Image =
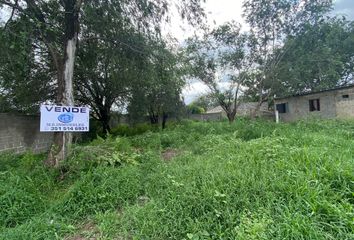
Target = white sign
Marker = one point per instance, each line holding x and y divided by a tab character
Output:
64	119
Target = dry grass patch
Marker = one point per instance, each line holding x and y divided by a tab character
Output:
168	154
88	231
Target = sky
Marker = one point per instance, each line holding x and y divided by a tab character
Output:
222	11
345	7
218	12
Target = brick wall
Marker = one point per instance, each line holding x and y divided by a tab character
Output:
19	133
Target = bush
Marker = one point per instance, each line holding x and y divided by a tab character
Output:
95	131
194	109
109	152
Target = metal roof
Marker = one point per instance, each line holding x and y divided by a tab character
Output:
315	92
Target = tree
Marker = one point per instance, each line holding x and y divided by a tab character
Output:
271	21
42	16
21	69
205	101
109	61
193	108
321	57
221	60
159	95
57	26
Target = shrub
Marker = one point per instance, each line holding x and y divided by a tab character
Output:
110	152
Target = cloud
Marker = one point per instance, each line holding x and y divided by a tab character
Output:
193	91
222	11
218	12
344	7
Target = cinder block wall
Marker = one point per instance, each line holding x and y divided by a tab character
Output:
345	106
19	133
206	117
333	104
298	107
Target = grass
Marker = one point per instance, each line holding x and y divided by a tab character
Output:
247	180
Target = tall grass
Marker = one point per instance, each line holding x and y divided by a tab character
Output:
247	180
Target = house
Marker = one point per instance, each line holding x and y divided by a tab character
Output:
326	104
246	109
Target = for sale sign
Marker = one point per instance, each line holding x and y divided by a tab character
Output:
64	119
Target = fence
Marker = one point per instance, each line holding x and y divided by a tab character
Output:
19	133
206	117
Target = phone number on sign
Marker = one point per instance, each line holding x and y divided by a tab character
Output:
68	129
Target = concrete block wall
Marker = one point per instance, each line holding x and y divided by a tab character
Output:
20	133
298	107
333	104
345	106
206	117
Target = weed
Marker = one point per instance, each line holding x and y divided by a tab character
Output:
246	180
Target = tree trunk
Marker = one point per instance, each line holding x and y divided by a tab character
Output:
231	116
65	97
164	120
154	118
105	123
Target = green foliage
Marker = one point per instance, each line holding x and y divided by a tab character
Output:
109	152
159	95
117	45
101	190
19	199
320	57
95	130
126	130
220	59
246	180
271	22
194	109
42	228
24	185
206	101
22	71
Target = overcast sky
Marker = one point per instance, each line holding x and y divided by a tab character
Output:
221	11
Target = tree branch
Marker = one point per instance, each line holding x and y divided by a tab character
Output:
12	14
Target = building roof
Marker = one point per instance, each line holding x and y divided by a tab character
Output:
217	109
314	92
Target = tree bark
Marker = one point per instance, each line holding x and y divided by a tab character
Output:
154	117
65	97
164	120
105	119
229	110
231	116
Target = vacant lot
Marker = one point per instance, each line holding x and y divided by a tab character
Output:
248	180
